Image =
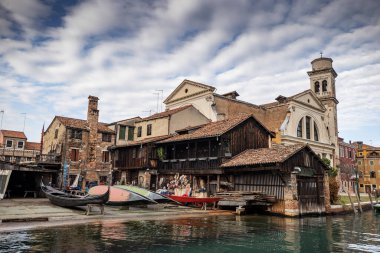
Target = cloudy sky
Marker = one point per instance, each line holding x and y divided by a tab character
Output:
53	54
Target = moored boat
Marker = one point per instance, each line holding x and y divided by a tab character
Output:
121	197
187	199
146	193
64	199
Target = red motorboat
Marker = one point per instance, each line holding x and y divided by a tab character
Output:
187	199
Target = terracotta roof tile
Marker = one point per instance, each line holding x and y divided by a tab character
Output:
211	129
165	113
144	141
13	134
82	124
33	146
276	154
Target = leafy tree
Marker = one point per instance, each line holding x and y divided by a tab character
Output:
333	182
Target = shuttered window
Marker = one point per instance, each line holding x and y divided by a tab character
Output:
74	155
130	133
122	132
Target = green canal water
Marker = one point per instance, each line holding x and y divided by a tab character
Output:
212	234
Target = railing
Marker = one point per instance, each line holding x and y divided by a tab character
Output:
20	157
191	163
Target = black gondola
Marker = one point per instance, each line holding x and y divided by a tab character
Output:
64	199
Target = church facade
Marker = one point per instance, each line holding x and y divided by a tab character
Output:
307	117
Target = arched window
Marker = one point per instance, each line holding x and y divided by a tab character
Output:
308	128
316	137
316	87
299	128
324	85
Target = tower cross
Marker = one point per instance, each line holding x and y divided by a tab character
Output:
321	53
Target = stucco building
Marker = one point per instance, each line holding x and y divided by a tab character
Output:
82	145
368	163
15	147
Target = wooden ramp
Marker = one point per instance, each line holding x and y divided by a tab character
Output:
245	199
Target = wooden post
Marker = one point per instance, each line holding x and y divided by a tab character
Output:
217	183
370	198
208	185
352	203
359	204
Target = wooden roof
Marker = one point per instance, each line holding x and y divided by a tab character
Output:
82	124
276	154
13	134
33	146
214	129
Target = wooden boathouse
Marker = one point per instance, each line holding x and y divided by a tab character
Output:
294	174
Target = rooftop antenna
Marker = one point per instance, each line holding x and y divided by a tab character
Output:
158	99
2	115
23	129
162	98
150	112
321	53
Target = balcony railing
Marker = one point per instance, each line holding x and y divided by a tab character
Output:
190	163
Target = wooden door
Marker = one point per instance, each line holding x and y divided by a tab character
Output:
311	196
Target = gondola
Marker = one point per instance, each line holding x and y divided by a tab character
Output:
149	194
121	197
64	199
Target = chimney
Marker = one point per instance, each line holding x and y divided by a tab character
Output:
92	111
231	95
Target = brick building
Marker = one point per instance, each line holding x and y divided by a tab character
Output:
347	166
82	145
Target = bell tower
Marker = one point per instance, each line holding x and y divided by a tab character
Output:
322	83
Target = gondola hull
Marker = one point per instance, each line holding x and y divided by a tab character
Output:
63	199
121	197
146	193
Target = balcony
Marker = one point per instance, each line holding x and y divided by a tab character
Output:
190	163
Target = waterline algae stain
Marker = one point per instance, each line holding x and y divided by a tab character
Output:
211	234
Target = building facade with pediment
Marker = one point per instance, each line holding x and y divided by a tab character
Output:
307	117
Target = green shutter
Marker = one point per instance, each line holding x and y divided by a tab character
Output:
122	133
130	133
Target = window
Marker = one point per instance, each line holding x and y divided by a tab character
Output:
20	144
106	137
130	133
299	128
361	185
371	162
139	131
74	155
106	157
316	137
149	129
133	153
324	85
56	134
316	87
372	174
7	158
9	144
122	132
76	134
308	119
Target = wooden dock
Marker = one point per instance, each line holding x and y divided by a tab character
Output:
243	199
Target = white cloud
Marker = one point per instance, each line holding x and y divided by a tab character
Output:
122	51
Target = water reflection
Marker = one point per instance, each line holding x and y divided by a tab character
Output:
211	234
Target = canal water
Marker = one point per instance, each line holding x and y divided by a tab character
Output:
211	234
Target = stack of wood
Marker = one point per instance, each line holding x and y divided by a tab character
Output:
241	198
